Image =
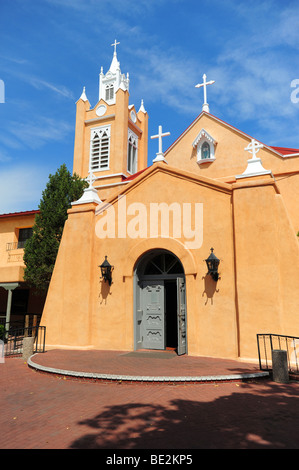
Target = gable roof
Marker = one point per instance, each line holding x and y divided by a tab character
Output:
280	151
286	152
163	167
16	214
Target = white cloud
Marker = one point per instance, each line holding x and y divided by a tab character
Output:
38	132
59	89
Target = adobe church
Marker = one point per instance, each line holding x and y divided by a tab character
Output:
197	252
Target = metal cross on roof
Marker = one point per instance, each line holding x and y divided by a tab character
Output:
115	44
160	155
205	106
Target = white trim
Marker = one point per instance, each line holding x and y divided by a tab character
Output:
111	176
90	195
112	184
99	118
101	110
205	160
289	155
203	135
134	137
201	138
254	168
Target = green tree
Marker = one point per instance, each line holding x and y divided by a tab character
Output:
41	249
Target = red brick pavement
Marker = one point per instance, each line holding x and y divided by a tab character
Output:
41	411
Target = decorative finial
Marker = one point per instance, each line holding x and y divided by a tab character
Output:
160	154
142	107
205	106
83	96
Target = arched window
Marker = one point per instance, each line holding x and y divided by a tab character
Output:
205	151
205	146
132	152
162	264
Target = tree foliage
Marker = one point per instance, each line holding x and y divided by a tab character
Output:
41	249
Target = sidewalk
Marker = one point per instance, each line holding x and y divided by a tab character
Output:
45	411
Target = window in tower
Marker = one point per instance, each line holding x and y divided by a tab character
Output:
109	92
132	152
100	148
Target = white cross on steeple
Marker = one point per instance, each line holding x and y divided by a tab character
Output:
205	106
160	154
253	148
115	44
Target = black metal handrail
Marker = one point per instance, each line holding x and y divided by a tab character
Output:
15	245
15	324
267	342
13	340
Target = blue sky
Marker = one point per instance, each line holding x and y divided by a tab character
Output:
50	49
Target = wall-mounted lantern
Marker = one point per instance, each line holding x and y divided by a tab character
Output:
212	264
106	270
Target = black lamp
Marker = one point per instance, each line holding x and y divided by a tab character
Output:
212	264
106	270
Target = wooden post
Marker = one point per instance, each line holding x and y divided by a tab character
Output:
26	324
34	323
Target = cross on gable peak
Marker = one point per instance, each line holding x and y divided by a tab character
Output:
205	106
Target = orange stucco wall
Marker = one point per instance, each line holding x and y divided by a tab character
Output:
256	290
118	117
250	222
11	260
231	159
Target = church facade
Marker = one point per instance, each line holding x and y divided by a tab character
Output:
132	271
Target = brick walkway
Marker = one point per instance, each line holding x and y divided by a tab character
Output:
41	411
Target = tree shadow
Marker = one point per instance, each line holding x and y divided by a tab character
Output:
259	417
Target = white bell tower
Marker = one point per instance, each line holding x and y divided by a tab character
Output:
113	80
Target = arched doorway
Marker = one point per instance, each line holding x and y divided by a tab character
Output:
160	302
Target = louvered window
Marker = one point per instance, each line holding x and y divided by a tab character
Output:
100	147
109	92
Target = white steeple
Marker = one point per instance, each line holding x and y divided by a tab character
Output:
115	65
113	80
